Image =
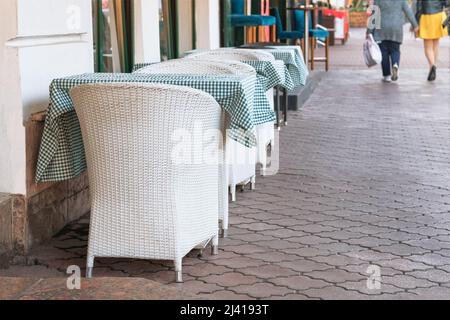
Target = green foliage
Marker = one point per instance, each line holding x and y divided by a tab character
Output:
360	5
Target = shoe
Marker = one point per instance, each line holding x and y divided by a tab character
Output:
386	79
432	74
395	72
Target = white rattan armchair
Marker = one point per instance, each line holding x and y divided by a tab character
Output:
233	55
236	170
145	204
265	132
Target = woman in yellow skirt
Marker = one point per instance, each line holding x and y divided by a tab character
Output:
431	16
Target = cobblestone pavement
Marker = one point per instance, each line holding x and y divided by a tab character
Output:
364	181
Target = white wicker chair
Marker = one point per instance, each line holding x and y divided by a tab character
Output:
198	67
265	132
236	171
233	55
145	204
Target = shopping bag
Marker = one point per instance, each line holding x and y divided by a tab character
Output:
372	52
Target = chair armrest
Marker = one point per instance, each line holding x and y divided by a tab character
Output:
319	26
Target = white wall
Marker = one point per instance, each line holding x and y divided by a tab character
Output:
185	27
40	40
146	20
207	16
12	133
45	39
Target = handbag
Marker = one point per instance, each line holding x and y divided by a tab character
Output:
372	52
446	23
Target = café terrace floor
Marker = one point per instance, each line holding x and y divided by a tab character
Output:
364	181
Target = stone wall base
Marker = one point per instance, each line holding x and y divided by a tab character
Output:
26	222
34	218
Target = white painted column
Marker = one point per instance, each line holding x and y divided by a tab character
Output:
12	132
40	40
147	41
185	26
208	24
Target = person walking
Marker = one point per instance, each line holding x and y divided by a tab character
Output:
431	16
387	29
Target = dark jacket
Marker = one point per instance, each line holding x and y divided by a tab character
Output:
431	6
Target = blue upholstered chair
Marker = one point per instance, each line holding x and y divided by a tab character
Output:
238	18
317	34
282	35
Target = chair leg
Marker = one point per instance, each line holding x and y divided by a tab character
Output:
327	54
274	33
253	183
302	41
261	34
255	34
224	226
264	170
286	106
90	266
215	245
249	35
179	270
312	52
224	233
233	193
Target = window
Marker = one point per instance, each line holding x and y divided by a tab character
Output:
102	36
113	35
167	26
177	27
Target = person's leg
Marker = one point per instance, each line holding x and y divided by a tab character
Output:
395	57
436	51
386	63
431	57
395	53
429	51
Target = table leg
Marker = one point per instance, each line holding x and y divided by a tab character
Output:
286	106
277	107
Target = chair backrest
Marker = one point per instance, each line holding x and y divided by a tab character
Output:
237	6
128	133
299	19
276	13
233	55
199	67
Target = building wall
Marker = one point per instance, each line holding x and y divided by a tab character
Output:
40	40
208	24
12	133
146	19
186	29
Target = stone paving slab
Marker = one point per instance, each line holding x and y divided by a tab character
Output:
92	289
364	182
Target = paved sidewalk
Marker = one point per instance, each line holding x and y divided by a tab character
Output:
350	57
364	181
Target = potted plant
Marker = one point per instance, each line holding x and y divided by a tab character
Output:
358	13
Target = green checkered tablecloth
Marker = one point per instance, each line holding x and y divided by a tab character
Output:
293	59
262	110
62	156
272	74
